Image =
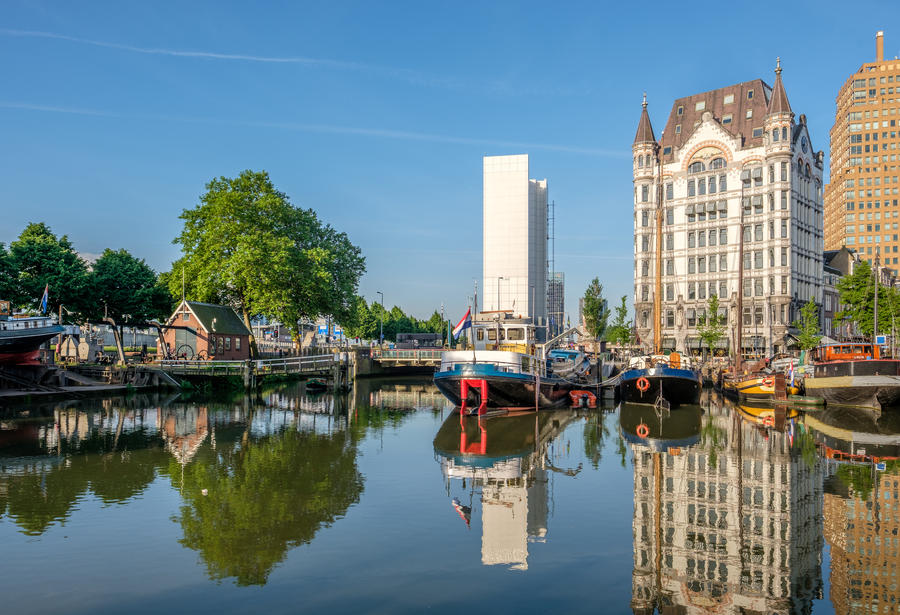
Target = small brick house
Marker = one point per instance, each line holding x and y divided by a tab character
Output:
210	332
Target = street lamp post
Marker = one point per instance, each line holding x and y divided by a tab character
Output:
381	320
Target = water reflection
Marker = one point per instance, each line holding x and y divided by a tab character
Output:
508	459
257	475
726	513
862	521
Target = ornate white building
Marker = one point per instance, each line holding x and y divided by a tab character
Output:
720	147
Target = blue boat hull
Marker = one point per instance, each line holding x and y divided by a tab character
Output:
505	390
679	386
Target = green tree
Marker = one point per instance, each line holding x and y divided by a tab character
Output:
620	330
8	275
711	327
41	260
808	326
857	295
126	289
595	312
245	245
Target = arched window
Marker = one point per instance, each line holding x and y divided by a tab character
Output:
696	167
640	162
647	160
775	134
717	163
784	133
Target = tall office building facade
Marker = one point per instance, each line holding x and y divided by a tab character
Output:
730	161
556	302
861	198
515	238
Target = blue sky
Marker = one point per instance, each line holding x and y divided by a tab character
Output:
114	115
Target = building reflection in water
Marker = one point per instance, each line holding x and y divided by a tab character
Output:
726	512
508	459
862	520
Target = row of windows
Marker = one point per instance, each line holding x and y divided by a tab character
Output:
861	83
869	181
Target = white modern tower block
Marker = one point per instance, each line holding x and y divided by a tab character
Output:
515	238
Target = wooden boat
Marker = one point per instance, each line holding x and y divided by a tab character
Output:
648	378
757	386
854	374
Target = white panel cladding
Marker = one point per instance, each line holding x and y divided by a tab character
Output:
515	237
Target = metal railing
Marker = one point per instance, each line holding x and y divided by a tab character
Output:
287	365
407	354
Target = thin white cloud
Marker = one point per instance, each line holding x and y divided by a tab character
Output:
411	76
328	129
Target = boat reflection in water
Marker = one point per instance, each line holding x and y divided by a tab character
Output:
508	459
726	515
862	519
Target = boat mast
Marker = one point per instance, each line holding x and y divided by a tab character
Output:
740	289
875	314
657	293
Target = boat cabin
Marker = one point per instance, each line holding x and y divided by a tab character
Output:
16	322
847	352
514	334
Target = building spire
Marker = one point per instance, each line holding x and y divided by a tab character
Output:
778	103
645	129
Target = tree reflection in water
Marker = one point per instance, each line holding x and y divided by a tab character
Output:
257	478
263	498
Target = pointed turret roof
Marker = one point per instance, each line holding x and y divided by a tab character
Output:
645	130
778	101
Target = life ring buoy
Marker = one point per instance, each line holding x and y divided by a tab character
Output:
768	381
643	431
768	421
642	384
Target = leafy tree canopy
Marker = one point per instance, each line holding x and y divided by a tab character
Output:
40	260
620	330
712	324
808	335
128	289
857	295
595	312
246	245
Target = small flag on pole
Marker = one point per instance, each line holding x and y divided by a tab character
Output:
45	298
463	324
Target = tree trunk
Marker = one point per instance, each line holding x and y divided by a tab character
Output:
254	353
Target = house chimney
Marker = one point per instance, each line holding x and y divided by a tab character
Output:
879	46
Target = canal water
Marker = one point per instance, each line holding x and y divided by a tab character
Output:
384	501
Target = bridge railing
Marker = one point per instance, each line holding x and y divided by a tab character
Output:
271	366
407	354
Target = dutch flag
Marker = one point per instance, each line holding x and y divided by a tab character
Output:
45	299
463	324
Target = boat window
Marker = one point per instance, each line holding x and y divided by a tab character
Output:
515	334
492	335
